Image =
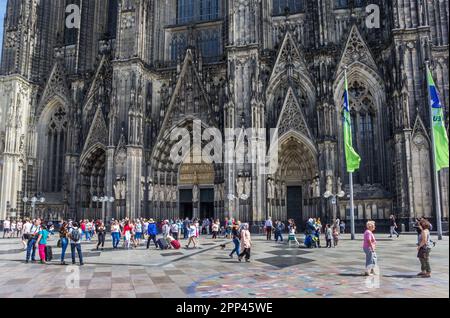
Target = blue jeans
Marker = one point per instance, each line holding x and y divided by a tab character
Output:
278	235
115	238
78	248
185	232
236	247
64	244
371	259
31	249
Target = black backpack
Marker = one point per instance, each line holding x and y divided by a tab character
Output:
75	235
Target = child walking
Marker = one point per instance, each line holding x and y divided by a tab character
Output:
335	236
292	237
328	235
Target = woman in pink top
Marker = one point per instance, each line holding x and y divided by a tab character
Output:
246	243
369	247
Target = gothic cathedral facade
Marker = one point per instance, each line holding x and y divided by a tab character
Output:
89	111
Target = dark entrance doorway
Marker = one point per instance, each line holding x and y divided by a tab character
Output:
186	206
206	203
294	206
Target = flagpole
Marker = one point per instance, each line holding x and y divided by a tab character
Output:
352	207
435	172
350	174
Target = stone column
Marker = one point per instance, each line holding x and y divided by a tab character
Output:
134	172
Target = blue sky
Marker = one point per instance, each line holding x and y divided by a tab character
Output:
2	14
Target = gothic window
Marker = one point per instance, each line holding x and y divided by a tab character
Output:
363	132
189	11
281	7
344	4
13	14
70	35
55	151
340	4
178	46
209	43
112	18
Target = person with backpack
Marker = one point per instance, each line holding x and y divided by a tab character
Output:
32	239
63	237
42	243
75	242
424	248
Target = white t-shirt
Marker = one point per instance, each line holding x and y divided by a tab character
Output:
6	224
115	228
19	225
27	228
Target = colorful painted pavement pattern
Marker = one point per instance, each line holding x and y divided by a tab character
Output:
275	271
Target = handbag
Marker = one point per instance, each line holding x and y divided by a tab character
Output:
59	245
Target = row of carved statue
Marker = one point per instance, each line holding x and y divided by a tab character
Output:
275	189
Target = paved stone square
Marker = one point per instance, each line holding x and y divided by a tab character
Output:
275	271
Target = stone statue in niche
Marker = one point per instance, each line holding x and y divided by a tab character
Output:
339	185
270	189
240	186
329	185
195	193
248	186
156	193
150	190
143	183
174	193
162	194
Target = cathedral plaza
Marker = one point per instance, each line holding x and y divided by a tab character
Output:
294	117
276	271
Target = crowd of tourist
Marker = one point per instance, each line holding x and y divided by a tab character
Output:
167	234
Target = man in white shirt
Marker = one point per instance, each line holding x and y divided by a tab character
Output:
268	226
26	233
6	228
32	239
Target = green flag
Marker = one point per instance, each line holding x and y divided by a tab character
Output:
351	156
439	132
